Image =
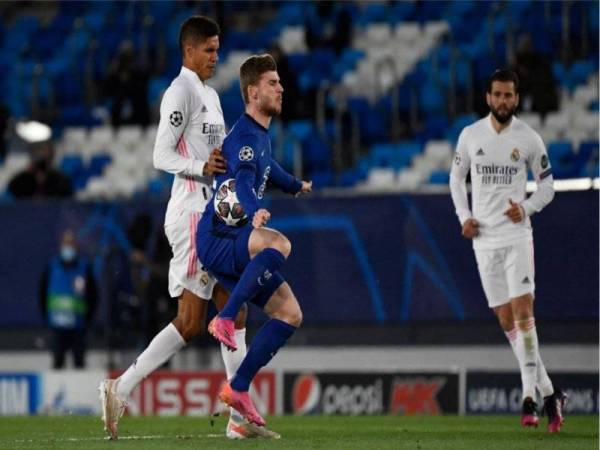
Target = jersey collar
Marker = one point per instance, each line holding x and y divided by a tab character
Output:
251	119
191	75
505	130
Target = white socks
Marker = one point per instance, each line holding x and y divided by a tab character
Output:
524	343
232	361
164	345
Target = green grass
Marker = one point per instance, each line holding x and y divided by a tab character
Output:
385	432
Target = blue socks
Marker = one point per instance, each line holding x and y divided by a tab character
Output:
271	337
258	271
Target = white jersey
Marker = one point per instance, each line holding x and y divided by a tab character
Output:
191	126
499	163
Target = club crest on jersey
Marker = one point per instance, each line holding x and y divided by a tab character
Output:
457	159
246	153
204	278
176	118
515	155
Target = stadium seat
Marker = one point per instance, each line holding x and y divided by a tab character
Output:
562	159
440	153
71	165
534	120
439	177
97	164
381	178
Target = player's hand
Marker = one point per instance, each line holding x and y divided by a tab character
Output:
215	164
470	228
261	217
515	212
306	188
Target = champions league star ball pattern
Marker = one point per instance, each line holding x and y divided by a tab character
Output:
227	206
176	118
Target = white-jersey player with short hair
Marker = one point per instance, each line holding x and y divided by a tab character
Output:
498	151
190	133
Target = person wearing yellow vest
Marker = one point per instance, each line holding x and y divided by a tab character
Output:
68	297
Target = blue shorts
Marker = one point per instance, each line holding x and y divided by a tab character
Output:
223	251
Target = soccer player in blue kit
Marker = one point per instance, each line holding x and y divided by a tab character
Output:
246	258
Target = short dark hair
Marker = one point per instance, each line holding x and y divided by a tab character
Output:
197	28
504	75
252	69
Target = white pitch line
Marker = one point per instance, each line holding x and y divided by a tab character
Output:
121	438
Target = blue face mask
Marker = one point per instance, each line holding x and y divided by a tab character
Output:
68	253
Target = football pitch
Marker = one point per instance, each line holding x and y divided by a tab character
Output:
385	432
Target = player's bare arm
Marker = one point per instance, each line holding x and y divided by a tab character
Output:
260	218
216	163
515	212
470	228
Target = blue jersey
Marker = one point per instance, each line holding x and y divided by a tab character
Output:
247	149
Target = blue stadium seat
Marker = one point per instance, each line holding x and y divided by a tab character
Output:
300	129
71	165
316	154
322	178
587	159
97	164
431	99
439	177
562	159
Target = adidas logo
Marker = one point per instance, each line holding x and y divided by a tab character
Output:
204	108
526	280
480	152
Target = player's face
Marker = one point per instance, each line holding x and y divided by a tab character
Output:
270	93
204	56
503	100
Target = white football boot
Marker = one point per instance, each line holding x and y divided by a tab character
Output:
247	430
112	406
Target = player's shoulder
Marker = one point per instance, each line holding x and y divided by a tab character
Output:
211	92
527	135
178	91
524	128
240	137
474	129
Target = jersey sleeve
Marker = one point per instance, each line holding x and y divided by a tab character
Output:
242	155
175	111
539	165
458	174
283	180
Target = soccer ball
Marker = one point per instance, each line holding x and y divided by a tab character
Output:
227	206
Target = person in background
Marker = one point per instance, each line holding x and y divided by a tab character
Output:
68	298
40	179
126	84
498	151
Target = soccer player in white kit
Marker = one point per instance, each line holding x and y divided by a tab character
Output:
190	133
499	150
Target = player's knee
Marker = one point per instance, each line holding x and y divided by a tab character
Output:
293	316
188	329
282	245
296	318
192	331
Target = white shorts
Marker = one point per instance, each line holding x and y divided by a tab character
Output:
185	271
506	272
